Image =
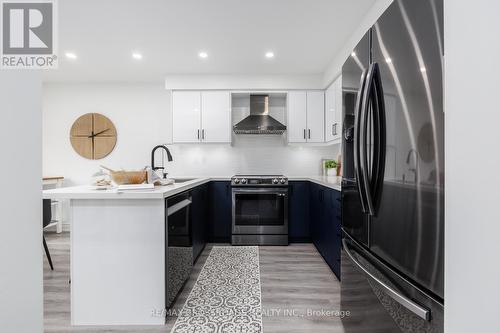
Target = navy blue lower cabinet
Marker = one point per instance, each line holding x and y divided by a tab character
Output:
316	215
332	226
299	230
325	224
220	211
199	218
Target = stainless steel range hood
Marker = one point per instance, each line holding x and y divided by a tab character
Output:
259	121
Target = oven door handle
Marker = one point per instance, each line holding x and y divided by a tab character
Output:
277	191
178	206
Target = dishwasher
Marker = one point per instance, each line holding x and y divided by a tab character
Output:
179	244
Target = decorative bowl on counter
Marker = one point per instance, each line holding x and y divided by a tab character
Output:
128	177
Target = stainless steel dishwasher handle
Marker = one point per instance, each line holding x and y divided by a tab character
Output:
178	206
404	301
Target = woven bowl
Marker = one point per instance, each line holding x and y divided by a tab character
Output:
129	177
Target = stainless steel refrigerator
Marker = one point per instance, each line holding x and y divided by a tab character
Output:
393	179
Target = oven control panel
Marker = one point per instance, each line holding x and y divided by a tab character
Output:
259	181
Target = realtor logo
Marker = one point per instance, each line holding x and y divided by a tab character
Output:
28	34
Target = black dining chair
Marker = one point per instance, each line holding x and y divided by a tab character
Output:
47	217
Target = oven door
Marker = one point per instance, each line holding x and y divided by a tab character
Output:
258	211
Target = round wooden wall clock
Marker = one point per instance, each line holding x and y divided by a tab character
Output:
93	136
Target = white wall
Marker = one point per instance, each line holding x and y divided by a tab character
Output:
472	246
21	290
141	114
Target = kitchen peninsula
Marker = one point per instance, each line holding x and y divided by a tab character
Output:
118	253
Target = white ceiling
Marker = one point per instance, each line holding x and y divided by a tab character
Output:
304	35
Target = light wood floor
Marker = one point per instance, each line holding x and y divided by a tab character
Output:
295	281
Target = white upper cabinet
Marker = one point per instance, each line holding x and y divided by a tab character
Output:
216	116
297	116
186	116
330	108
201	116
315	116
333	111
337	128
306	113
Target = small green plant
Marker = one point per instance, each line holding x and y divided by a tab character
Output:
331	164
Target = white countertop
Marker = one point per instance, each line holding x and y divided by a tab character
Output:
327	181
161	192
88	192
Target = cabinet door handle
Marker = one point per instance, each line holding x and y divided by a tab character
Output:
198	134
304	133
309	131
203	134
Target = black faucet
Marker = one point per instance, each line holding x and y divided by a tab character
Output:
169	156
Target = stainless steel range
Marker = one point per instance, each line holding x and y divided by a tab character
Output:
260	210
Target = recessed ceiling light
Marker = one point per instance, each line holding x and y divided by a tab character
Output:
70	55
137	55
203	55
388	60
269	54
422	69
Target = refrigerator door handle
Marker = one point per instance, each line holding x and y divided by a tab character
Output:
357	129
374	94
363	149
398	297
378	170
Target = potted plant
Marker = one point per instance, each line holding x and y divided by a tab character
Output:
331	167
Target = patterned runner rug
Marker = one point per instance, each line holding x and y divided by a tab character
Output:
226	297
